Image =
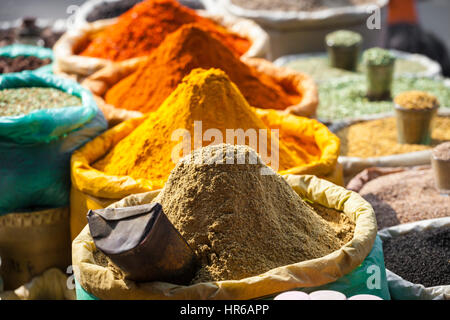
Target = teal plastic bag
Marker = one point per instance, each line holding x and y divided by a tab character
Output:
15	50
368	278
35	149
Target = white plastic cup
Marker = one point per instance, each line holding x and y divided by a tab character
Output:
292	295
327	295
364	297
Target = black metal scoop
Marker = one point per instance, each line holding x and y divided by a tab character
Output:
143	243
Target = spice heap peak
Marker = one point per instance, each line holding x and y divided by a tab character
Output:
188	48
245	223
204	95
141	29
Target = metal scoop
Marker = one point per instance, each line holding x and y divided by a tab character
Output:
143	243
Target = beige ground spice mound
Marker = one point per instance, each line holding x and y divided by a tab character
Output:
416	100
377	138
239	222
338	221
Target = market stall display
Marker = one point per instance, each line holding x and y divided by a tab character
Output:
345	98
142	85
318	67
100	170
150	150
90	47
304	274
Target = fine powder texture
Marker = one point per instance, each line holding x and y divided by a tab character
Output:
204	95
442	151
377	138
420	257
188	48
140	30
405	197
416	100
239	222
22	101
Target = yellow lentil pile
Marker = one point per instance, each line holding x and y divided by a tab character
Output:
416	100
377	138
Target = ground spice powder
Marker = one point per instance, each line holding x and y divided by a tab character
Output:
184	50
377	138
241	223
405	197
204	95
21	101
416	100
141	29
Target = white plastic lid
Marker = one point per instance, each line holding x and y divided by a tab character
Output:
364	297
327	295
292	295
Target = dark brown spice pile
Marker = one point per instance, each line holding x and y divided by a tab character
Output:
21	63
420	257
110	9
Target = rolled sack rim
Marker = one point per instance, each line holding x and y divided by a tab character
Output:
66	58
292	19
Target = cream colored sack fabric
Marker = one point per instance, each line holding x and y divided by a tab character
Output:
68	63
100	281
51	285
30	243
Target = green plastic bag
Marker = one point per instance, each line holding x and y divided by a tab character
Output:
15	50
35	149
368	278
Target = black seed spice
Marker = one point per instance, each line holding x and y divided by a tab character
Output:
420	257
21	63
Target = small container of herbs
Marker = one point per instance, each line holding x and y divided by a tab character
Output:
414	112
440	162
379	65
343	49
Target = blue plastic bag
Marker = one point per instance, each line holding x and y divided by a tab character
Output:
35	149
15	50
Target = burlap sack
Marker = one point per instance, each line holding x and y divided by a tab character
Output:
31	243
68	63
92	189
103	80
50	285
100	281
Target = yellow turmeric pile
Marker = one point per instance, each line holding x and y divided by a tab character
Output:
203	95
